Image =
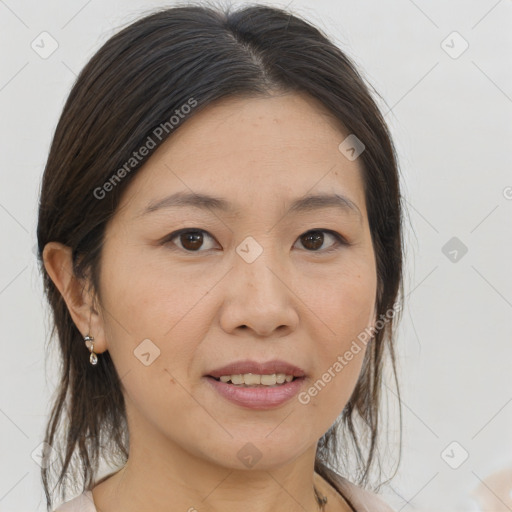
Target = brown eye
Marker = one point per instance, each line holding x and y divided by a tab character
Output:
313	240
190	240
194	240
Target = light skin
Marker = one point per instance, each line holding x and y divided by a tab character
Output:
206	307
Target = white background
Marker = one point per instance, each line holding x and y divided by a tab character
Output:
451	121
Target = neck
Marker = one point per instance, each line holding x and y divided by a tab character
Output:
150	482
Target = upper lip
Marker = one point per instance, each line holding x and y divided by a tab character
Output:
264	368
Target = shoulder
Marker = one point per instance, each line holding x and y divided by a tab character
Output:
362	499
82	503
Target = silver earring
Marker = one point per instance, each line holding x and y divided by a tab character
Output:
93	358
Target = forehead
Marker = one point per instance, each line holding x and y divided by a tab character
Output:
252	150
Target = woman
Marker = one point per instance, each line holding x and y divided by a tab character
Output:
220	240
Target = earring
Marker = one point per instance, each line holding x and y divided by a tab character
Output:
93	358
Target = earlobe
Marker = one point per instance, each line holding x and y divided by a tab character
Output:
58	263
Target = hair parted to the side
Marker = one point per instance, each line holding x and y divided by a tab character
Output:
134	83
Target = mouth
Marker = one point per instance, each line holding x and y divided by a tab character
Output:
253	373
257	385
254	395
251	380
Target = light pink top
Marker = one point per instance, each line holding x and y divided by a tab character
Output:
361	499
82	503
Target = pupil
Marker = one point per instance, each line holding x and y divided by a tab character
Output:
192	240
316	237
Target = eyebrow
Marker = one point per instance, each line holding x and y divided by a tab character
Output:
206	202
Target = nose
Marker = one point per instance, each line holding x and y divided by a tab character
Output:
259	298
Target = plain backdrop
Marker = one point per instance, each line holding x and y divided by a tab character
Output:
444	72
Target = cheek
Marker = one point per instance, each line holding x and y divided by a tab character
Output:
149	298
156	319
344	306
343	302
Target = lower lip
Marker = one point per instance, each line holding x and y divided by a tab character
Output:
257	397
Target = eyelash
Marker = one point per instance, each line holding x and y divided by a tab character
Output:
340	241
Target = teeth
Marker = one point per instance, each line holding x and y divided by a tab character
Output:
268	380
252	379
237	379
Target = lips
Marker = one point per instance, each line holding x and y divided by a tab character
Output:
263	368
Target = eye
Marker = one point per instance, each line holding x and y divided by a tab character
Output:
314	239
192	240
189	240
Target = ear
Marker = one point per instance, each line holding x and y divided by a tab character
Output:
81	303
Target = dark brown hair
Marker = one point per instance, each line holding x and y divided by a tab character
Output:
131	86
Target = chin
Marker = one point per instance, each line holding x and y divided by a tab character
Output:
259	452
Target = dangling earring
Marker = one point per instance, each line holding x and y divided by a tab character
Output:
93	358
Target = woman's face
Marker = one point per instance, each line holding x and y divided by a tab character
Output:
252	280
